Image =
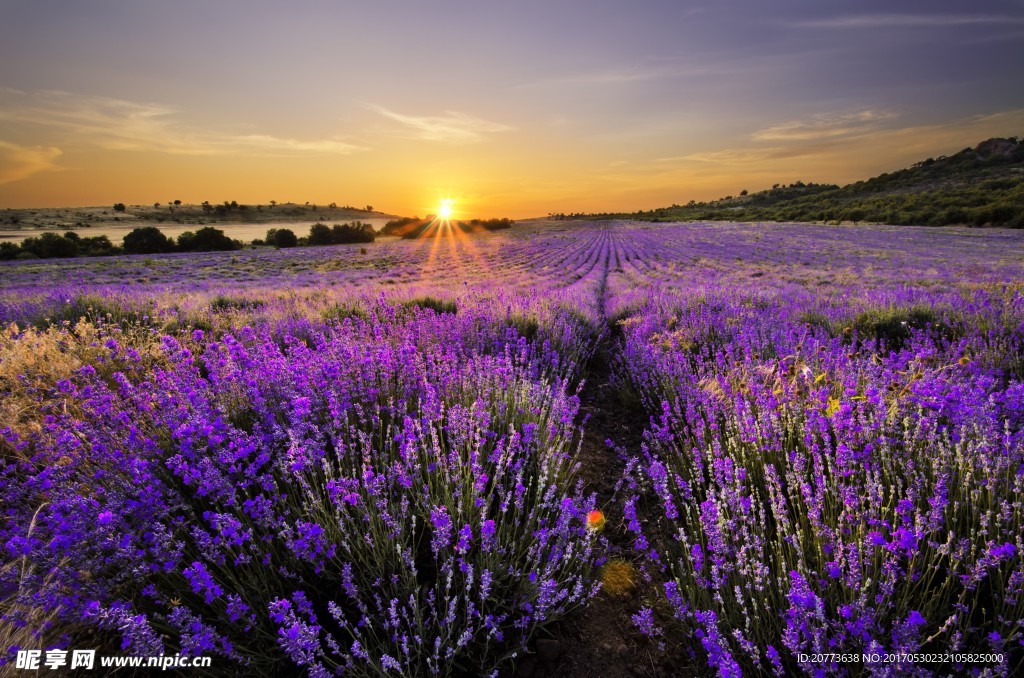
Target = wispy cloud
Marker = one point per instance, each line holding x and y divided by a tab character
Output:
452	127
624	75
618	76
828	157
907	20
738	157
269	144
119	124
20	162
825	126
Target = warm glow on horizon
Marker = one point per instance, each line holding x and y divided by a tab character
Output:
710	101
444	210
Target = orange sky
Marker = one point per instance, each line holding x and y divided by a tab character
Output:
596	106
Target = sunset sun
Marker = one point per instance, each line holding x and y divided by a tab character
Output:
444	210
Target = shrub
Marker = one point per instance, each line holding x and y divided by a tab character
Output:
281	238
51	246
320	234
147	240
9	250
819	489
207	239
97	246
434	304
222	303
355	232
286	504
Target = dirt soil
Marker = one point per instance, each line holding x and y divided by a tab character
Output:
601	640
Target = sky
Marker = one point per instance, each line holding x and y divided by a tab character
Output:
511	108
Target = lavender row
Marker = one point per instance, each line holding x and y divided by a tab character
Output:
386	493
364	461
830	478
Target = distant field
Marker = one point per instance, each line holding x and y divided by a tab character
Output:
245	232
241	222
559	255
717	448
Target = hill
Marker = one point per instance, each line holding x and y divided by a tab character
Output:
979	186
176	212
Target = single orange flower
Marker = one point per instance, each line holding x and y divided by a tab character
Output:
595	521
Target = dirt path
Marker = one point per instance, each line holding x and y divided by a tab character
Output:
600	640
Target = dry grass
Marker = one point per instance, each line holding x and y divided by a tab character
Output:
618	577
33	361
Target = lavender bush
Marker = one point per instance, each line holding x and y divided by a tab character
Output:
375	496
366	463
828	480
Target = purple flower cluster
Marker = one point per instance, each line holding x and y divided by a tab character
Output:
367	495
837	468
365	463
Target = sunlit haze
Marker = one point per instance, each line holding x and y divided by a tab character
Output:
518	108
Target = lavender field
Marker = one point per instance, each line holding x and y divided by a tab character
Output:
374	461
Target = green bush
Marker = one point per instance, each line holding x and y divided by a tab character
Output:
207	239
281	238
222	303
147	240
434	304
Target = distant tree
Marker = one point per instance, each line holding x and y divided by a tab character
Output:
320	234
743	192
96	246
119	207
486	224
333	205
50	246
206	239
403	226
8	251
281	238
147	240
177	202
157	205
369	208
357	231
272	203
